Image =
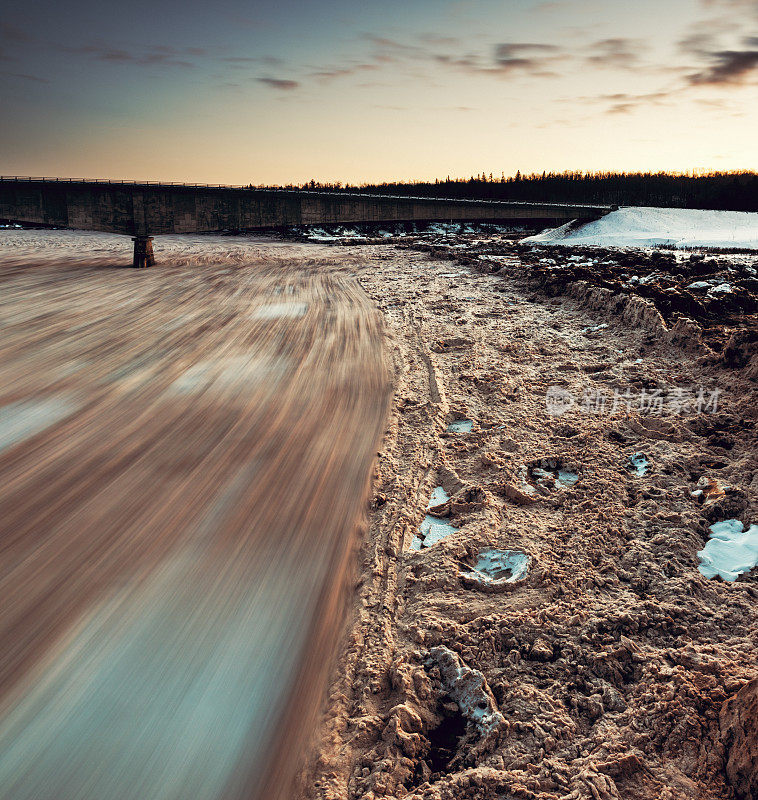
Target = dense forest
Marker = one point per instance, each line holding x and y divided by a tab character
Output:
736	191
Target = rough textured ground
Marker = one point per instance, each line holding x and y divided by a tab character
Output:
611	661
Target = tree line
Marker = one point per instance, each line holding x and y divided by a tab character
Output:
733	191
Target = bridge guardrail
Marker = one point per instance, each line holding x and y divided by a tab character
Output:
249	188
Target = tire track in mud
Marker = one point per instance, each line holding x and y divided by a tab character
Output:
402	478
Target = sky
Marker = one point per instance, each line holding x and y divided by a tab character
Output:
244	91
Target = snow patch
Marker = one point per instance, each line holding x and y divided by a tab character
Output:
700	285
730	551
23	419
431	532
595	328
231	373
548	474
460	426
469	689
497	567
439	496
567	477
638	464
280	310
637	226
432	529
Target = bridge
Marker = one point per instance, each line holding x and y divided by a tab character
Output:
143	210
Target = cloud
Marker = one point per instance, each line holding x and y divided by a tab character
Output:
698	43
514	49
387	50
720	65
243	61
733	13
731	66
157	55
550	6
734	5
728	67
465	63
13	38
10	33
464	109
282	84
439	41
532	58
330	73
503	59
25	77
624	102
711	103
618	53
524	56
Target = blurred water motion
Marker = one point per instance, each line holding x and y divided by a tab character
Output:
184	453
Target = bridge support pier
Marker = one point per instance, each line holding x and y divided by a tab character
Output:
143	252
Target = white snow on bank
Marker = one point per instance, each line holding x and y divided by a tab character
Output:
497	567
729	552
681	228
460	426
432	529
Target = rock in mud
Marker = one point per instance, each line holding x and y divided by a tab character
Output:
471	498
542	650
470	691
739	732
521	493
687	334
741	352
451	343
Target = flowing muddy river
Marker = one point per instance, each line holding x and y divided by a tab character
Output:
186	455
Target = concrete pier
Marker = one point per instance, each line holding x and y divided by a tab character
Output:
143	252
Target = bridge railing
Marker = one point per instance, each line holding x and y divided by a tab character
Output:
336	193
118	182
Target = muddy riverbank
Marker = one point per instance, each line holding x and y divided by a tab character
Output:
602	671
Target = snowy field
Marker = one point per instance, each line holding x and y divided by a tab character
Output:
681	228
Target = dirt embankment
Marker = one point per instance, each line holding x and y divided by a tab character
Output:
705	304
603	672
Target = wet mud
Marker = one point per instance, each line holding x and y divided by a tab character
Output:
612	668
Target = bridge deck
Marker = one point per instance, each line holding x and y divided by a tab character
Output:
150	209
